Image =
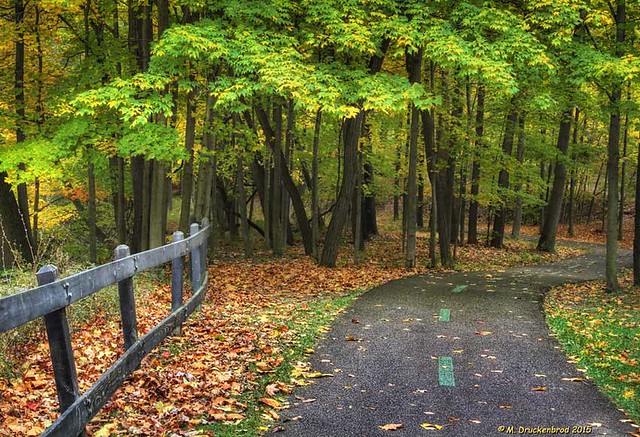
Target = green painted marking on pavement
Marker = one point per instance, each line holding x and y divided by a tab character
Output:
445	314
445	372
459	288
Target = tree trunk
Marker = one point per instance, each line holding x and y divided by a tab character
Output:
315	209
414	67
613	158
118	196
186	187
572	184
623	177
205	167
23	198
636	235
500	217
517	214
369	219
547	241
13	231
351	135
93	239
157	206
287	181
242	200
428	136
472	237
595	193
396	184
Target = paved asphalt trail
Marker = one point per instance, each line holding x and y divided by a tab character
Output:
390	375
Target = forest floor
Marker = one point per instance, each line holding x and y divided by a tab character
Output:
237	354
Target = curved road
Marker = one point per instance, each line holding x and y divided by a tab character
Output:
389	354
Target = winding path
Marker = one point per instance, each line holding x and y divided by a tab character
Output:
389	354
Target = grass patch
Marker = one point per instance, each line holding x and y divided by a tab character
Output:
601	333
307	325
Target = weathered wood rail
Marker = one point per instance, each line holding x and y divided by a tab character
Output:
51	298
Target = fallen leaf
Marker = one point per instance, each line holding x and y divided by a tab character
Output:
271	402
431	426
484	332
539	388
391	426
573	379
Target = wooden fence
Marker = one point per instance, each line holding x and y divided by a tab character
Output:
53	295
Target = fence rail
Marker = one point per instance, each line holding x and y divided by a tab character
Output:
53	295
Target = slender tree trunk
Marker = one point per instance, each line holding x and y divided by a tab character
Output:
595	193
137	182
23	198
358	240
369	218
547	241
241	195
288	155
636	235
286	180
93	239
205	168
572	184
157	205
500	217
186	188
428	136
414	68
475	170
613	157
517	214
351	136
352	129
396	184
315	209
276	193
623	178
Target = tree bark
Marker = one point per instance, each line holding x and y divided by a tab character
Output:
547	241
315	210
613	158
352	129
13	231
472	237
517	214
157	205
289	184
186	187
623	177
351	135
500	217
369	219
636	235
414	68
93	239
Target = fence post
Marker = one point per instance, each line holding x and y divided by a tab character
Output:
127	303
176	281
64	367
195	260
205	247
